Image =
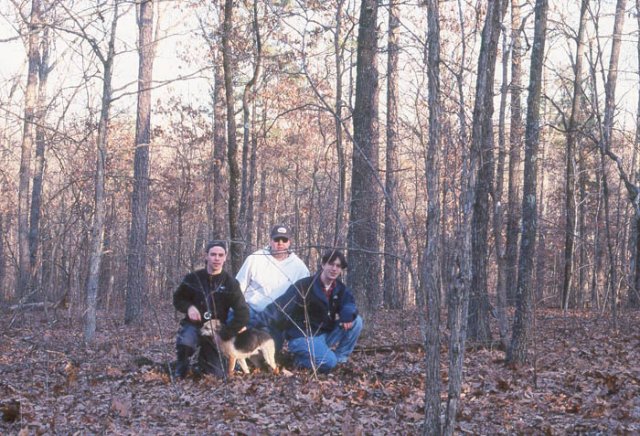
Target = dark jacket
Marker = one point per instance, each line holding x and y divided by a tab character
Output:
304	310
222	292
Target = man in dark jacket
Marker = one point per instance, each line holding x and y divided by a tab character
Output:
319	317
205	294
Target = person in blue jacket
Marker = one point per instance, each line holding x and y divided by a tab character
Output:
318	316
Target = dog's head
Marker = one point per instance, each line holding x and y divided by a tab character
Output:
211	327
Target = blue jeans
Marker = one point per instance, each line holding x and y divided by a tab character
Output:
316	351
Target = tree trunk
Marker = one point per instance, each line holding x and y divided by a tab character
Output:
431	276
38	173
479	307
247	187
391	288
338	237
515	144
518	349
232	145
219	225
136	288
570	180
498	211
364	269
461	288
23	282
607	140
100	212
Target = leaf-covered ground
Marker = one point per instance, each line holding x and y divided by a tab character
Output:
585	380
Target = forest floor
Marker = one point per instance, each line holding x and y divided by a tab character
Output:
584	379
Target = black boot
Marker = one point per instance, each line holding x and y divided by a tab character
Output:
182	364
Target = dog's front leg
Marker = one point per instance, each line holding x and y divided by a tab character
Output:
243	365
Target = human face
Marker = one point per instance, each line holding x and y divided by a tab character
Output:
215	259
280	245
331	271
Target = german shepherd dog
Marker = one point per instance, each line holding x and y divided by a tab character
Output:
249	343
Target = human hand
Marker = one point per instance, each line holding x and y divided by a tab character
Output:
347	325
193	313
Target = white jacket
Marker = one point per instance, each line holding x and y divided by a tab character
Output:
263	278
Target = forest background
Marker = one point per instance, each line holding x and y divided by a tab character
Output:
474	157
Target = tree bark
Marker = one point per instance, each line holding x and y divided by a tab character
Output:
217	187
98	225
364	269
38	173
570	180
462	281
247	164
431	276
515	144
498	210
338	46
607	140
232	145
391	285
23	282
136	289
479	307
517	352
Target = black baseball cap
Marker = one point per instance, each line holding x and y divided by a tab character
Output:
280	231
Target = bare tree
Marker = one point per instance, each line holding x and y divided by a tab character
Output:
338	46
483	139
248	163
137	249
517	352
23	284
364	270
216	183
232	145
571	130
391	285
462	282
431	276
38	172
100	212
515	144
498	190
605	144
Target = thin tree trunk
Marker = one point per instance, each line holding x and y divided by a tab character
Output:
570	181
478	325
98	225
136	289
607	141
247	189
23	282
461	282
518	349
232	145
38	173
498	211
515	144
338	48
431	277
362	236
219	224
390	282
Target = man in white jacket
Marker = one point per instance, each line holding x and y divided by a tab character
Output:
267	273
